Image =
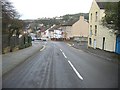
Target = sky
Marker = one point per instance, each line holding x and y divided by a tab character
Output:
34	9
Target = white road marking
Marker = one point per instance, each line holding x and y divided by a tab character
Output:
64	54
75	70
42	48
61	50
69	44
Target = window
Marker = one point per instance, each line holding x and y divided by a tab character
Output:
96	16
90	30
95	30
90	41
91	17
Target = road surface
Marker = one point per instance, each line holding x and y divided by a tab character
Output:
61	66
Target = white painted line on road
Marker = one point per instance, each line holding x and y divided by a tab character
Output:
69	44
61	50
64	54
42	48
75	70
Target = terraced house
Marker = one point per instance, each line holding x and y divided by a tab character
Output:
80	29
99	36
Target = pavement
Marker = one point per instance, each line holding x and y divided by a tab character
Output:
110	56
12	59
61	66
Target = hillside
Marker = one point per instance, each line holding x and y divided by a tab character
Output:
73	17
48	22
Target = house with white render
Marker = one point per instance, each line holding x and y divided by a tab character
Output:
100	36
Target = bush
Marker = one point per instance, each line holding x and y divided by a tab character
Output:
6	50
15	48
28	44
29	39
21	46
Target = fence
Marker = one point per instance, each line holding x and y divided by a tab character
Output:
13	43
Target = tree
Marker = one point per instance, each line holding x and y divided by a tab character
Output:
10	20
112	16
9	15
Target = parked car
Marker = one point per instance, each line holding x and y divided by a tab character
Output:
33	38
38	38
44	39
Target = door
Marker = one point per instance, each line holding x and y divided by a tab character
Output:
118	44
103	45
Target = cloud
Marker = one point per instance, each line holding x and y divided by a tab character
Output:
32	9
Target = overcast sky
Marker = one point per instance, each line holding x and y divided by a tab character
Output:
33	9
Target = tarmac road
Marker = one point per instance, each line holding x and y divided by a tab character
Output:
61	66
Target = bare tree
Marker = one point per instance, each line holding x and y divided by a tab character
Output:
10	19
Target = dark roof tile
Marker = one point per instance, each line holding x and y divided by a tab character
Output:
102	5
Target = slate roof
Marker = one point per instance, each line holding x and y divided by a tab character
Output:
102	3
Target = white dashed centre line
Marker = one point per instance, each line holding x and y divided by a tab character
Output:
61	50
42	48
75	70
79	76
64	54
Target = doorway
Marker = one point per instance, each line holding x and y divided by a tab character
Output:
103	45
